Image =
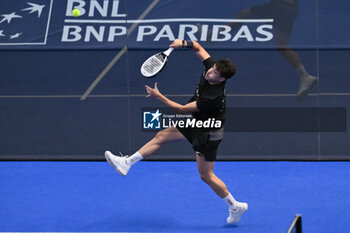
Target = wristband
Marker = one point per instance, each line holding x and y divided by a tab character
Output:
189	43
183	43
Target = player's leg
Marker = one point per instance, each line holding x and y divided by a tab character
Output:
261	11
206	172
170	134
123	164
307	81
243	14
282	39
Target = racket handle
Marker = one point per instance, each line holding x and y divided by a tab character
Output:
168	51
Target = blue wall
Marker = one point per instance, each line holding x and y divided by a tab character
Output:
44	73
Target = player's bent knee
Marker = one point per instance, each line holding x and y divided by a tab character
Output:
205	176
160	137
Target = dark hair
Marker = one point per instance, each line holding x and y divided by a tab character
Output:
226	68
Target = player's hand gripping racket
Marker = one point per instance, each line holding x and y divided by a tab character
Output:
154	64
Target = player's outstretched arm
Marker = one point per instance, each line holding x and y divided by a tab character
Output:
200	51
188	108
194	45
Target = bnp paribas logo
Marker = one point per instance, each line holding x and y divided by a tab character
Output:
152	119
24	22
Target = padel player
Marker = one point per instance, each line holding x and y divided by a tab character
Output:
207	102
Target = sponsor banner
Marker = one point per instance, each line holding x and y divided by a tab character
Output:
153	24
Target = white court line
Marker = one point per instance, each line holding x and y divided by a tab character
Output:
119	55
168	95
48	23
169	20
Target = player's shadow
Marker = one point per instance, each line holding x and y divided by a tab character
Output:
141	222
144	222
230	226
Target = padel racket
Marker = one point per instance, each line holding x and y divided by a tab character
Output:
154	64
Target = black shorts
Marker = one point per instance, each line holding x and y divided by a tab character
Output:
206	142
284	14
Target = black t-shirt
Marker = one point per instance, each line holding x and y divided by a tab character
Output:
211	100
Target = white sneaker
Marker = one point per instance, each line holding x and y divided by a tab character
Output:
119	163
236	214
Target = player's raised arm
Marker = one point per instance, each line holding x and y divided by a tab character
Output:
194	45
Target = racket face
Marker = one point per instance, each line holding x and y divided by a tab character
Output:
153	65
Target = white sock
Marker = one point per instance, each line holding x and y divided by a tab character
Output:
131	160
231	202
301	71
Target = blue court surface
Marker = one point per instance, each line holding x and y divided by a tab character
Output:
170	197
